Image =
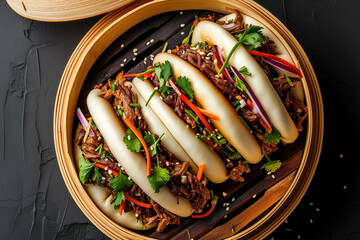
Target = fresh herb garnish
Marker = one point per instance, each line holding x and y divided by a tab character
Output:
232	155
163	72
118	199
187	39
151	143
152	94
165	47
184	84
246	163
135	105
99	149
288	80
131	141
166	90
120	183
85	170
192	115
243	70
197	45
97	176
106	155
93	124
251	39
206	45
273	137
158	178
271	166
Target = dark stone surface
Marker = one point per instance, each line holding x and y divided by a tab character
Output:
34	201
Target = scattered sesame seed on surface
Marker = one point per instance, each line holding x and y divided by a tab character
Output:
125	59
119	165
135	53
177	163
224	194
317	209
152	55
106	159
268	173
225	216
233	199
134	59
298	236
181	12
227	209
129	138
341	156
147	43
254	196
167	163
182	33
344	187
182	25
152	40
103	178
273	176
311	221
311	203
122	45
122	168
129	178
286	221
135	50
121	65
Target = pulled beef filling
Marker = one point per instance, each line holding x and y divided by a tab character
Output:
182	182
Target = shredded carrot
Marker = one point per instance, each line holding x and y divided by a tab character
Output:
195	23
133	200
265	125
208	114
260	54
109	82
102	166
138	135
121	208
250	103
98	86
205	214
191	105
200	171
130	75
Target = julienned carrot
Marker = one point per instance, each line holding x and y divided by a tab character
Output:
200	171
133	200
102	166
191	105
265	126
288	64
205	214
121	208
208	114
249	103
138	135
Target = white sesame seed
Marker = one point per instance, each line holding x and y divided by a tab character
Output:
135	50
134	59
181	12
135	53
311	203
106	159
156	88
184	179
233	199
207	58
129	138
152	40
298	236
286	221
224	204
118	106
152	55
273	176
122	168
224	194
227	204
201	53
161	97
109	172
228	160
182	33
225	216
119	165
129	178
125	59
136	214
254	196
122	45
167	163
345	187
177	163
317	209
311	221
147	43
106	168
218	137
341	156
216	130
182	25
215	145
169	51
121	65
272	238
227	209
103	178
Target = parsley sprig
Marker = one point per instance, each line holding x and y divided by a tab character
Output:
273	137
271	165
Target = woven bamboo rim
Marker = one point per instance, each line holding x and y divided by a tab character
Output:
116	23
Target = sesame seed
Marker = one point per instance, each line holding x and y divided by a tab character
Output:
177	163
122	168
122	45
121	64
317	209
201	53
181	12
125	59
156	88
152	55
254	196
345	187
136	214
182	33
273	176
225	216
224	194
184	179
129	138
99	138
224	204
147	43
167	163
341	156
106	168
135	50
135	53
169	51
152	40
227	209
298	236
129	178
311	221
119	165
152	148
182	25
187	126
106	159
228	160
233	199
311	203
103	178
118	106
109	172
134	59
286	221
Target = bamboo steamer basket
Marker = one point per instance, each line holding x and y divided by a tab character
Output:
114	24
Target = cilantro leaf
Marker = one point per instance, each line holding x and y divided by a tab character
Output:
120	182
243	70
85	170
158	178
240	84
131	141
272	166
118	199
166	90
252	38
97	176
232	155
185	86
163	72
273	137
151	143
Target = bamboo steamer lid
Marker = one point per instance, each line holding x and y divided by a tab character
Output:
114	24
64	10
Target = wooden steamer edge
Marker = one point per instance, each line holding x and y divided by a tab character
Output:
110	27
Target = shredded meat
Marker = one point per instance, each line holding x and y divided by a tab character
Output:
236	171
164	217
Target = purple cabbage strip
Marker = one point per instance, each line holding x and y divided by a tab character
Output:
280	65
254	99
83	121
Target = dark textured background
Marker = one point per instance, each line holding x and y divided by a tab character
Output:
34	201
